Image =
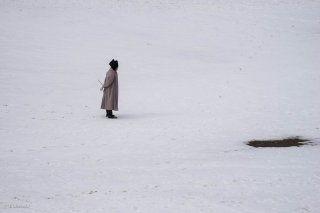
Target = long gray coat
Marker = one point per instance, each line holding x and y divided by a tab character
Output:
110	91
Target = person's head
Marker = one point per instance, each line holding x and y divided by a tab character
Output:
114	64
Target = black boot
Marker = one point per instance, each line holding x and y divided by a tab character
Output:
110	115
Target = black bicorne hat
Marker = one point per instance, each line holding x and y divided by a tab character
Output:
113	64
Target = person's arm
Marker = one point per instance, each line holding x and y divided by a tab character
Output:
109	80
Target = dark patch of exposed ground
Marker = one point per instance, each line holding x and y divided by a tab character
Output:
286	142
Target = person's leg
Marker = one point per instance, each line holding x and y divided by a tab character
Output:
111	115
108	113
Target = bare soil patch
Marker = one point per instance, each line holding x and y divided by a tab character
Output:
286	142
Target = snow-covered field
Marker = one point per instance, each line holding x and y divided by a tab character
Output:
197	80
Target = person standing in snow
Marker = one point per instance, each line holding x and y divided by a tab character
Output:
110	90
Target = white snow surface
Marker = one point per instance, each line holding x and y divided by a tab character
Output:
197	80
